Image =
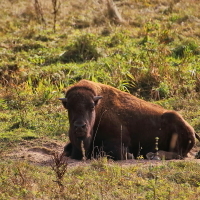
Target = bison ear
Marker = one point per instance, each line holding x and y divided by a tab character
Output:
63	99
64	102
96	98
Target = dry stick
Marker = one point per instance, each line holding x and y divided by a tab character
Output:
82	144
197	136
21	175
39	12
97	129
121	143
56	6
113	12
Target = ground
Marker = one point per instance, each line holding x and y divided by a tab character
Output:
40	152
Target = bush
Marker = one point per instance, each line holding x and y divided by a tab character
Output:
81	50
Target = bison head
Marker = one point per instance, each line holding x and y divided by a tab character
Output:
81	112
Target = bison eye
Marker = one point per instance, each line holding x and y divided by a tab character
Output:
92	106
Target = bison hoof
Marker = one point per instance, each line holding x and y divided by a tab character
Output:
152	156
130	156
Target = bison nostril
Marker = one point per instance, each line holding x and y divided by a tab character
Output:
79	125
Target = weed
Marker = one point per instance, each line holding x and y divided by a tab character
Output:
100	163
185	48
59	166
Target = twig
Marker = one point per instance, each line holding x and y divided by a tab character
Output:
113	12
39	12
97	130
56	6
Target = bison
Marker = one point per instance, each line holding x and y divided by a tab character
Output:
105	119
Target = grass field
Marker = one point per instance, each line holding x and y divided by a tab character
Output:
150	49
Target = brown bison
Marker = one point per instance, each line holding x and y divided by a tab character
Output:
105	119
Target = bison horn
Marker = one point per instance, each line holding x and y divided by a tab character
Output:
63	99
96	98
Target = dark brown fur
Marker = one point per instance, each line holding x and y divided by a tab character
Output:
119	124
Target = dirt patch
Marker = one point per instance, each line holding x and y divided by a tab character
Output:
38	151
41	151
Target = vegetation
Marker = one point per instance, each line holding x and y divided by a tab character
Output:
101	180
152	52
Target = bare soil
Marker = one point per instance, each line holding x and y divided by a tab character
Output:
41	151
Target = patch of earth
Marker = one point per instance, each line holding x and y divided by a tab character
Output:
38	151
41	152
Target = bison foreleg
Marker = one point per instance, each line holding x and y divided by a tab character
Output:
164	155
68	150
116	150
71	151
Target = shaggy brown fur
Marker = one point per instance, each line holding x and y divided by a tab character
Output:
118	123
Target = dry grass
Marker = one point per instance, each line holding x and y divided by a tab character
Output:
102	179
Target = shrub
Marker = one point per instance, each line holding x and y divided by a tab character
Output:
81	50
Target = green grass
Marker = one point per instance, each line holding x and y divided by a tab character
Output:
173	180
154	55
